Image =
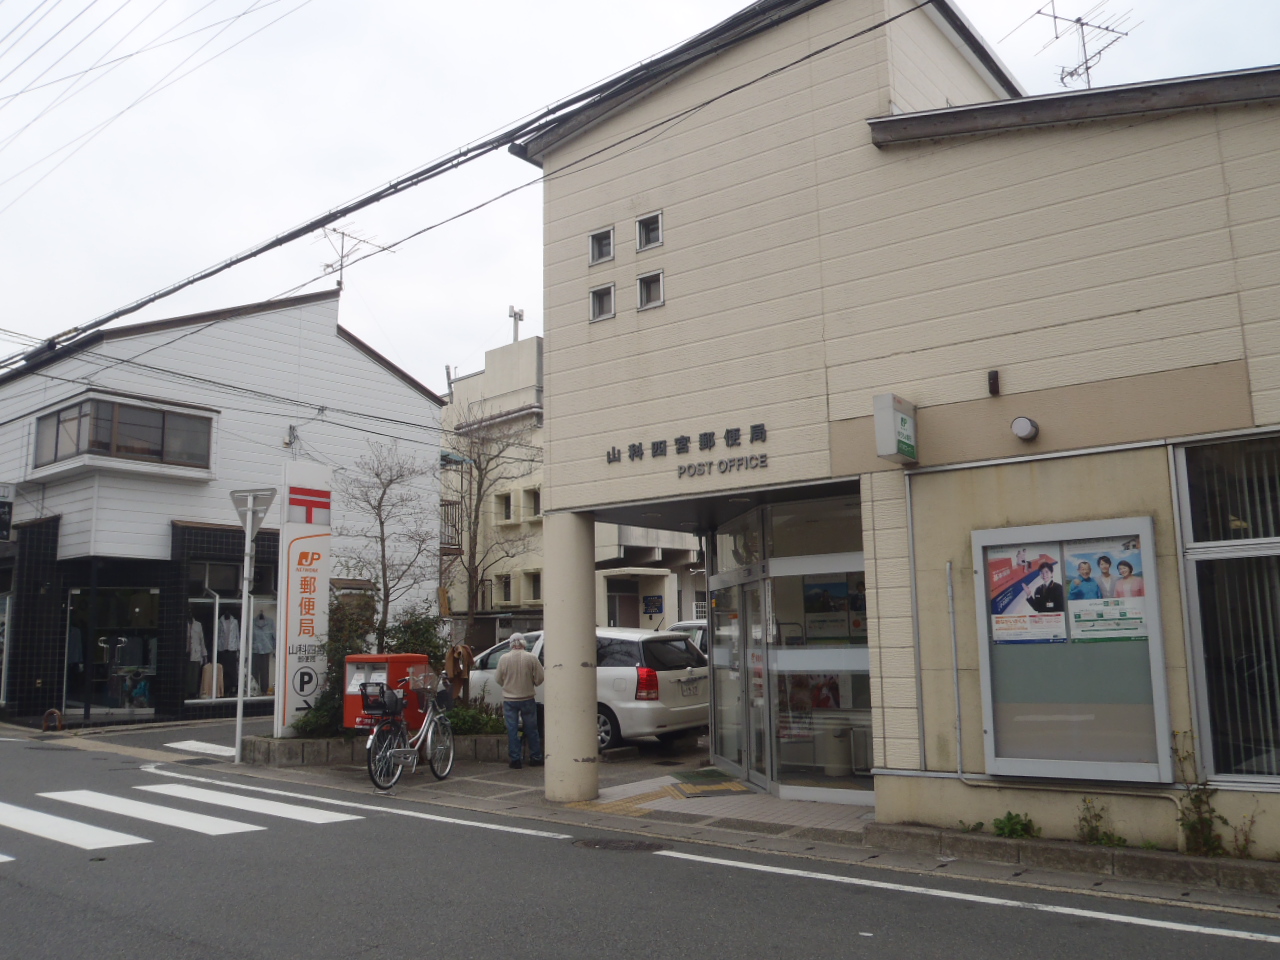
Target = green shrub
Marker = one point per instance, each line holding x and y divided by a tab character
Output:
468	721
349	628
1015	826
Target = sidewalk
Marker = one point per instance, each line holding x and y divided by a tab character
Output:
667	794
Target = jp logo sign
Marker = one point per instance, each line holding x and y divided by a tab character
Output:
309	559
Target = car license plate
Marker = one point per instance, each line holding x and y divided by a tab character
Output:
689	689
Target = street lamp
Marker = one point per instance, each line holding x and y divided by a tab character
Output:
252	506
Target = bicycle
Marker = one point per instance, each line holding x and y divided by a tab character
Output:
390	747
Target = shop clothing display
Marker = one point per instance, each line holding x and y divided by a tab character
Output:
207	687
228	634
195	642
264	634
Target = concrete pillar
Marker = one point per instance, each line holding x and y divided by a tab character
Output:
569	578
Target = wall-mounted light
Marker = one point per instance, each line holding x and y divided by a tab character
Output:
1024	428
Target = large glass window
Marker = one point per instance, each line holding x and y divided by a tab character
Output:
738	543
125	431
1232	507
820	673
113	665
213	632
815	527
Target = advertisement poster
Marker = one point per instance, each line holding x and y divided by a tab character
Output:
826	607
1025	589
1106	591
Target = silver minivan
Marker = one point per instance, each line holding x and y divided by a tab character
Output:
648	683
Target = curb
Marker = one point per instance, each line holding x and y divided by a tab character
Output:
297	752
1248	876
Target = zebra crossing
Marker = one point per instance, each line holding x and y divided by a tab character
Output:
85	836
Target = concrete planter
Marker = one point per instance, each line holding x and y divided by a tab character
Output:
1253	876
297	752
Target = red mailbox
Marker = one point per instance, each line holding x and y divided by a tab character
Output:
391	669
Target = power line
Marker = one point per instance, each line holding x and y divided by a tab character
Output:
157	87
156	44
6	50
57	33
666	63
76	88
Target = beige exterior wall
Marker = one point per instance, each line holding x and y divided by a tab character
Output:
1122	277
743	187
890	635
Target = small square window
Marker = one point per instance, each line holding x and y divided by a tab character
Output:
602	303
650	291
602	246
504	506
535	586
649	231
504	587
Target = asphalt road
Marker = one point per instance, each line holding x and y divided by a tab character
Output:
327	874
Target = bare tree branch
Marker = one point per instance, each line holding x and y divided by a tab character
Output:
488	453
389	535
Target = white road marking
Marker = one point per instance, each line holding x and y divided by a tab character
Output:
168	816
13	739
501	828
272	808
978	898
5	859
71	832
199	746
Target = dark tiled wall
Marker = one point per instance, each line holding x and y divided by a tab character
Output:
36	630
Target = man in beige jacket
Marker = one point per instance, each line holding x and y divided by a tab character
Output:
518	673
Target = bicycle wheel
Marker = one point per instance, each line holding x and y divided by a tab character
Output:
383	771
440	747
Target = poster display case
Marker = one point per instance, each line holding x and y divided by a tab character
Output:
1072	654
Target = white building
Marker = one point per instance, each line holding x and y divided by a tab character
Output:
644	578
122	448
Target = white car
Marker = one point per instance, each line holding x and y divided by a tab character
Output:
695	630
648	684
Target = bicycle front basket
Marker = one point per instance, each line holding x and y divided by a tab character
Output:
379	700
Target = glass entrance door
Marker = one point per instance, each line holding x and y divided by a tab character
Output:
729	698
739	664
757	699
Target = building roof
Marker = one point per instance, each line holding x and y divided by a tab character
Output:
1236	88
42	357
47	354
630	85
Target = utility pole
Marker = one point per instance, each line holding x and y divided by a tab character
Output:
252	506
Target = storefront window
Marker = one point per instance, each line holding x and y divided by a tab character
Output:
815	527
213	633
113	666
819	669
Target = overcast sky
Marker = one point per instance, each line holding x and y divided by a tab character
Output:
108	193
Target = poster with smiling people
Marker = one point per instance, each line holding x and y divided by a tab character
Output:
1106	591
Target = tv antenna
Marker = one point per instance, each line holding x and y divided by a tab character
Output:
346	245
1095	32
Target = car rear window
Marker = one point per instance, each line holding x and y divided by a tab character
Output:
671	654
611	652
